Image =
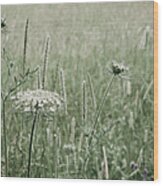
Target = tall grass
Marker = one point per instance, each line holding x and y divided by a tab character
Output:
5	136
63	90
25	46
84	103
45	63
31	140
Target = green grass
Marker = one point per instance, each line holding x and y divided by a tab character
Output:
84	39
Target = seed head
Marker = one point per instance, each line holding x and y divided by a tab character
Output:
117	68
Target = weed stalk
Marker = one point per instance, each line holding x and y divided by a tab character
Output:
84	103
63	90
5	137
100	108
25	45
31	141
45	63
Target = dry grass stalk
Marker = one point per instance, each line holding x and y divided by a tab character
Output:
63	90
84	103
25	45
45	63
80	142
72	134
39	76
106	171
129	88
92	92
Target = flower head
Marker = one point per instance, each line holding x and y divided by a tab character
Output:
46	101
117	68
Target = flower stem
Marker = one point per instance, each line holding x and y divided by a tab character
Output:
5	140
31	141
100	108
98	113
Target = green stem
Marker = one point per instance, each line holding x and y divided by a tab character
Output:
31	141
5	140
100	108
98	113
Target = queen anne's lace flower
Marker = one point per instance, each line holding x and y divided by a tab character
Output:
46	101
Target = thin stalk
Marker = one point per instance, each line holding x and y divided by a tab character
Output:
31	141
56	75
72	134
84	103
39	83
5	138
67	165
92	92
100	108
106	171
45	63
63	90
25	45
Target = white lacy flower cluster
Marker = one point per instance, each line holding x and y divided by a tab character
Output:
45	101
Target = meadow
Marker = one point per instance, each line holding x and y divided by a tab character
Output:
104	128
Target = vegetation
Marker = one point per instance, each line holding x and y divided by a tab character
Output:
77	91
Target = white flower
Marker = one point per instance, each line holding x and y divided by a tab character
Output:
47	101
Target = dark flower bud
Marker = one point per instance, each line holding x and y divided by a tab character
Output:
133	165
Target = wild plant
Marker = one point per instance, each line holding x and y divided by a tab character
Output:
117	69
34	102
18	82
25	46
93	97
45	63
63	90
84	103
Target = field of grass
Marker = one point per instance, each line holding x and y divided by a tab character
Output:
102	131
